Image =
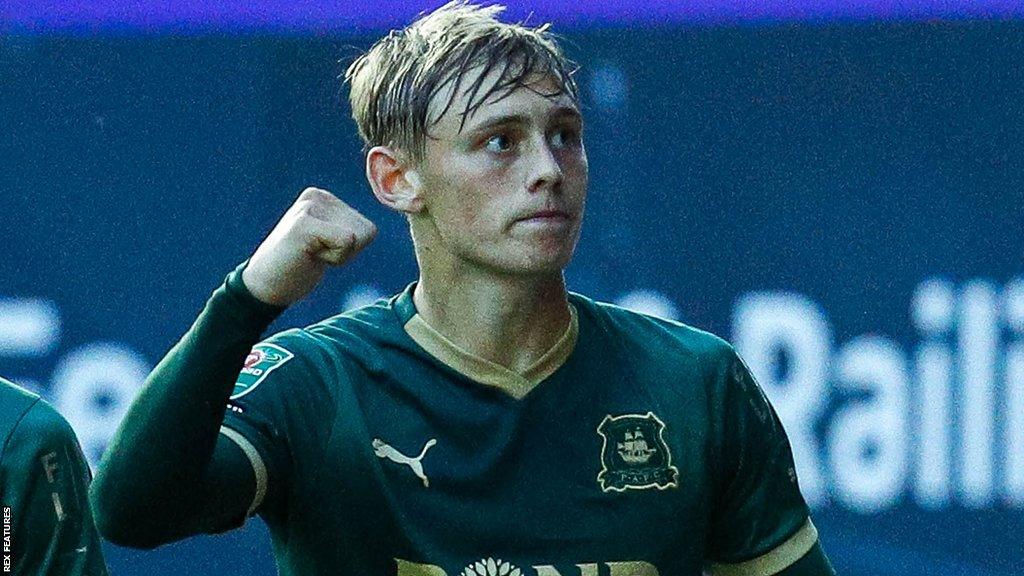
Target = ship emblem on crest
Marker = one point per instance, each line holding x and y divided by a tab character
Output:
634	454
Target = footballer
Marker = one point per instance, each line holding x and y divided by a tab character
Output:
47	524
485	421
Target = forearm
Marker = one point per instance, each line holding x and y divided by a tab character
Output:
154	469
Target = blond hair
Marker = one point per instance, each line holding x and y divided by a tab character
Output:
394	83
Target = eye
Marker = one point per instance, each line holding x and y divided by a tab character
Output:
498	143
565	137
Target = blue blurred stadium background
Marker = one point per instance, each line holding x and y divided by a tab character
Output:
838	192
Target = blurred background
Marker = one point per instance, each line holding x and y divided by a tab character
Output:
836	187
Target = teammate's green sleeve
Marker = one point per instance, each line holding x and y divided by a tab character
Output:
43	483
168	473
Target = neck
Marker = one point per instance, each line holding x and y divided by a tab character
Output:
509	320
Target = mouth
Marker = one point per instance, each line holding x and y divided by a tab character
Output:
546	216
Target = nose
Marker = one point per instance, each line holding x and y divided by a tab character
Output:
544	170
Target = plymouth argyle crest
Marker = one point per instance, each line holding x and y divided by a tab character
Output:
634	454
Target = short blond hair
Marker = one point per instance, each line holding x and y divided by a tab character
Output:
395	81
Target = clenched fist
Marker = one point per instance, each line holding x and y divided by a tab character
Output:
317	231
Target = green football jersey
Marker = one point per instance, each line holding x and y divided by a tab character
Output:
47	526
635	446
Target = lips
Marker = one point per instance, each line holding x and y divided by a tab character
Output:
546	214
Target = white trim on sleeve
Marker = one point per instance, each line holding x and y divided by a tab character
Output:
258	467
781	557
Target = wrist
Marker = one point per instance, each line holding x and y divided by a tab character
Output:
245	301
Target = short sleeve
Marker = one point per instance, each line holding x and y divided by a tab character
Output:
45	481
277	414
761	523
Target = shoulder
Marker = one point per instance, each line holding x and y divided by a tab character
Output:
15	401
36	424
660	337
355	335
368	323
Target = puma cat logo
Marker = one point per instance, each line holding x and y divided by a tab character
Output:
382	450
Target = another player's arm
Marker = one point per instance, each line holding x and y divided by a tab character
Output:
761	524
169	473
44	480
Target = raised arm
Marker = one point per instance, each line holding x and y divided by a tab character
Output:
169	473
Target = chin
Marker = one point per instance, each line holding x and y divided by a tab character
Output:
539	264
522	258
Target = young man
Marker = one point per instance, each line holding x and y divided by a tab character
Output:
44	478
485	421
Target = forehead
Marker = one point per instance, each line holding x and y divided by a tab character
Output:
539	95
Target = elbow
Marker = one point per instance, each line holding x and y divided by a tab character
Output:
121	522
127	538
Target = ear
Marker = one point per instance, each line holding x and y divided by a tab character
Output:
394	181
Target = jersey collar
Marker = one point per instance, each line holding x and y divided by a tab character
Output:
482	370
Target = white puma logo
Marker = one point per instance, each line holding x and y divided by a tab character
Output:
382	450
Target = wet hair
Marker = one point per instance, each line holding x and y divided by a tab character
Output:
394	83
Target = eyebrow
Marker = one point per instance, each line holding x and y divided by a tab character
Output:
510	119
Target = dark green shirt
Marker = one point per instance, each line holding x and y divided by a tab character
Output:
635	446
48	529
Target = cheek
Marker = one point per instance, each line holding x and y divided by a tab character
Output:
492	185
470	202
575	169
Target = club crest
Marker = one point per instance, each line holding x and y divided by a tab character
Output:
634	454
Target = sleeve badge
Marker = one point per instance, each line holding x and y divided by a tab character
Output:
261	361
